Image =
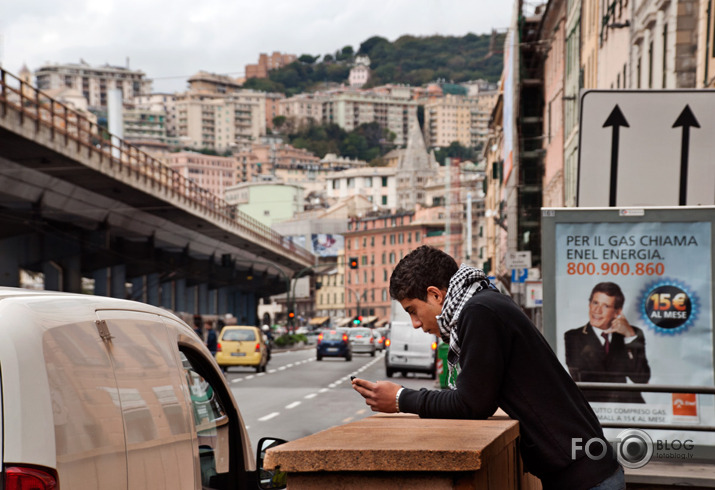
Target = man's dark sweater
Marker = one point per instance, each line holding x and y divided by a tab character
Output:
506	362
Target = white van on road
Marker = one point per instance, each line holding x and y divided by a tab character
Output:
409	349
102	393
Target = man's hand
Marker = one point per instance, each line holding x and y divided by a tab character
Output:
620	325
379	396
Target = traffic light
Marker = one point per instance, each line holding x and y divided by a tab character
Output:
357	320
353	262
291	314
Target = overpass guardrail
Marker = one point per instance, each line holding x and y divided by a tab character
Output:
30	103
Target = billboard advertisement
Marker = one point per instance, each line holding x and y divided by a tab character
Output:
327	245
629	300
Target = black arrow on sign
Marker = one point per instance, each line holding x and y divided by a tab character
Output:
686	119
616	120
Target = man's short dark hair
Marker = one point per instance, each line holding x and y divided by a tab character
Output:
609	289
423	267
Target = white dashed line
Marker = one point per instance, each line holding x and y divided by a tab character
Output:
269	416
323	390
292	405
312	395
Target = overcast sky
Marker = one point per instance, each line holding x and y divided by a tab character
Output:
171	41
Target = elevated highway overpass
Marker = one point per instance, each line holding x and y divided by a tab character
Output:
77	204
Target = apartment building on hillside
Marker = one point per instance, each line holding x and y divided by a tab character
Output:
220	122
94	82
351	108
275	160
160	102
267	63
448	119
213	173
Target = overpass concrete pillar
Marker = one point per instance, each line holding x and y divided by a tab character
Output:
191	299
222	301
180	295
245	308
167	299
10	249
72	274
117	281
138	289
213	303
153	289
101	282
53	275
202	294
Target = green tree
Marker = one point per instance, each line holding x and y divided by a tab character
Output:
308	59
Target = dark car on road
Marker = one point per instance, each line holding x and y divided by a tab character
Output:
334	343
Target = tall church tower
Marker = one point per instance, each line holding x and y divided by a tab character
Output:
415	168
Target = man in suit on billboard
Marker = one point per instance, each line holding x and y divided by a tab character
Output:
607	349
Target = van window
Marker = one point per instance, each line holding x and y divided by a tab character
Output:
216	423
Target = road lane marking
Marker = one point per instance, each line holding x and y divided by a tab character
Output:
292	405
312	395
346	420
269	416
323	390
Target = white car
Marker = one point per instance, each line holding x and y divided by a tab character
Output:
363	340
114	394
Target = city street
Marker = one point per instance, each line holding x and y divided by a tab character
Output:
298	396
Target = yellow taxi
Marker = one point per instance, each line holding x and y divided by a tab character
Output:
241	345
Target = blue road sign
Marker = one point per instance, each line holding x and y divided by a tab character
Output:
519	275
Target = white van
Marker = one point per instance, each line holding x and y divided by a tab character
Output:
102	393
410	350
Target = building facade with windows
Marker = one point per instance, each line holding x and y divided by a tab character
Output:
94	82
213	173
378	242
266	202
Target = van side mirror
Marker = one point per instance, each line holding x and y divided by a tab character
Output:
269	479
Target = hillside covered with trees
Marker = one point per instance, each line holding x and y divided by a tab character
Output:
408	60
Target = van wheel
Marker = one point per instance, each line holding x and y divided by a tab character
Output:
389	372
372	354
349	357
404	374
258	368
319	357
433	375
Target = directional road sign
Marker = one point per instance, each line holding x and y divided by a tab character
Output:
646	148
518	260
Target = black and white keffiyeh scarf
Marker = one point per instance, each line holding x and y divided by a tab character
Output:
464	284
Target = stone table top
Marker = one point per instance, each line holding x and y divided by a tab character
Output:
397	442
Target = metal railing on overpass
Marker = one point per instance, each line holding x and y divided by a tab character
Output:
68	124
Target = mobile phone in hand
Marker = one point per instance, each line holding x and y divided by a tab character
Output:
352	377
